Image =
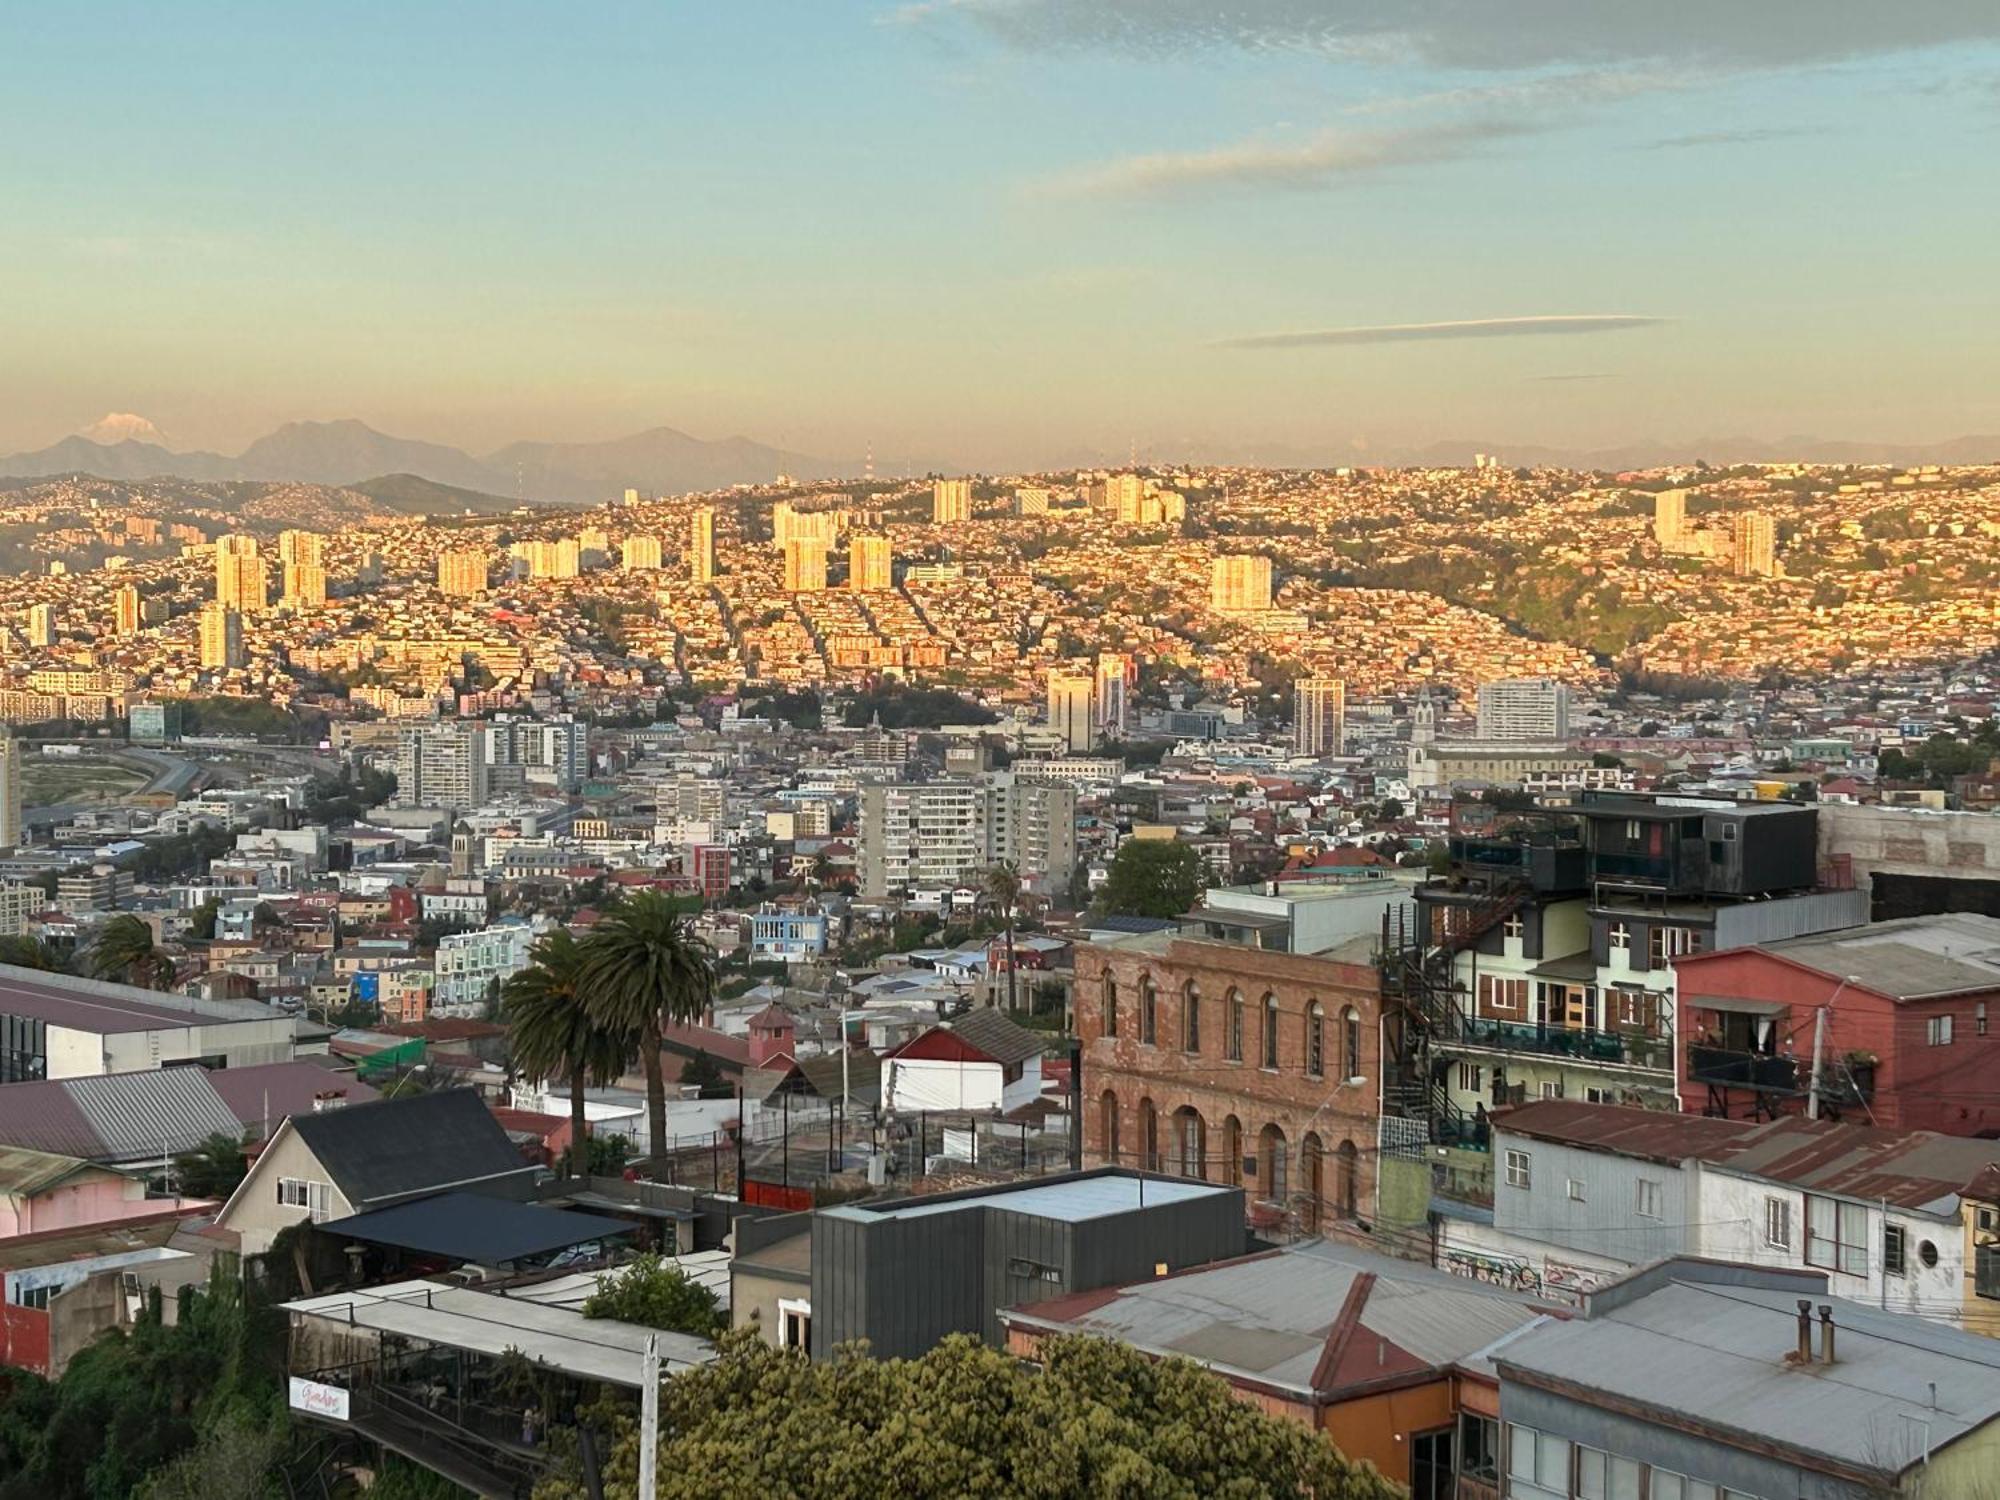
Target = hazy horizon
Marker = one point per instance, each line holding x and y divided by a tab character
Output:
996	229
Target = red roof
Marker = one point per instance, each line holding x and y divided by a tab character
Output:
939	1044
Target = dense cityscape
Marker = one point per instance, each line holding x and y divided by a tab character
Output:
1025	749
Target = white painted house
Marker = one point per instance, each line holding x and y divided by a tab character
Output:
980	1062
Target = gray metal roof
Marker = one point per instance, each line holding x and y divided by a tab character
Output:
1268	1318
141	1114
455	1317
1911	958
1716	1355
1069	1201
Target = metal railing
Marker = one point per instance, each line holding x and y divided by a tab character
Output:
1584	1044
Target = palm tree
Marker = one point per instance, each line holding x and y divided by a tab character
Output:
550	1033
124	950
1000	893
642	968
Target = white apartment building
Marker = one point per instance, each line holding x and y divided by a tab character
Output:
943	833
469	964
1524	708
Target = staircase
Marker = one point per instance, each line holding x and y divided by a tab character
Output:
1419	978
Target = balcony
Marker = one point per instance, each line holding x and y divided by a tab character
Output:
1542	863
1613	1047
1744	1070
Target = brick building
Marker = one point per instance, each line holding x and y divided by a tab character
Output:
1238	1065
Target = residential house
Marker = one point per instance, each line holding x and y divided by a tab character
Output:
1381	1355
1905	1039
981	1061
1696	1380
320	1167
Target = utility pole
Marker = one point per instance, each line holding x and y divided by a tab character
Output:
649	1419
1818	1062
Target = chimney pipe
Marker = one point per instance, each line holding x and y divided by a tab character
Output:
1826	1333
1804	1354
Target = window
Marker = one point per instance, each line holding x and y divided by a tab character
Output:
1234	1039
1149	1012
1469	1078
795	1325
1592	1094
1895	1249
31	1296
1514	929
1979	1019
1576	1190
1631	830
1520	1169
1270	1031
1837	1236
1778	1223
1110	1004
1605	1476
292	1192
1505	996
1552	1088
1646	1198
1478	1448
1665	1484
1190	1018
1315	1040
1937	1031
1621	938
1664	944
1928	1254
1350	1029
1539	1459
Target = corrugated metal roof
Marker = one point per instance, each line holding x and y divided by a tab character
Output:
1268	1317
29	1172
1908	1168
1716	1354
144	1114
1910	958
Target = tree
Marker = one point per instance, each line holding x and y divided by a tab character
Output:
202	924
124	950
552	1033
1390	810
643	967
656	1293
24	952
1000	893
1098	1418
1153	878
212	1169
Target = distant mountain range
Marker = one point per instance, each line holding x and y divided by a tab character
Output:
665	461
661	461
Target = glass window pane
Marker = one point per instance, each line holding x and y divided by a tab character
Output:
1589	1474
1521	1451
1624	1479
1668	1485
1552	1462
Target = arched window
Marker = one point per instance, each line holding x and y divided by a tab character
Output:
1316	1040
1232	1150
1350	1042
1149	1136
1346	1171
1107	1126
1271	1175
1149	1011
1270	1031
1312	1167
1190	1143
1190	1018
1110	1004
1233	1029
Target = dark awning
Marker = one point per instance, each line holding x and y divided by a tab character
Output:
1735	1006
472	1227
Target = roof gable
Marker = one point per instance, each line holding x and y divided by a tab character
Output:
401	1148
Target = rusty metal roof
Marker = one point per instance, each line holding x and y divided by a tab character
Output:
1908	1168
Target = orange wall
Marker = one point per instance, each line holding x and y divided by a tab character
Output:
1378	1428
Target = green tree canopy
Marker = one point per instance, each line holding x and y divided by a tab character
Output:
1153	878
1098	1419
212	1169
656	1293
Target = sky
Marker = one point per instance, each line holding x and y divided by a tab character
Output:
1007	231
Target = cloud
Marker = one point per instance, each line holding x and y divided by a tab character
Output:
1727	138
1482	34
1469	328
1318	161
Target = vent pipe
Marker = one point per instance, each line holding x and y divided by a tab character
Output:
1826	1333
1803	1356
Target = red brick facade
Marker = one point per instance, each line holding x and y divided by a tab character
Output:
1257	1095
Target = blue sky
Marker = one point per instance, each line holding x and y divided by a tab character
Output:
1004	230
